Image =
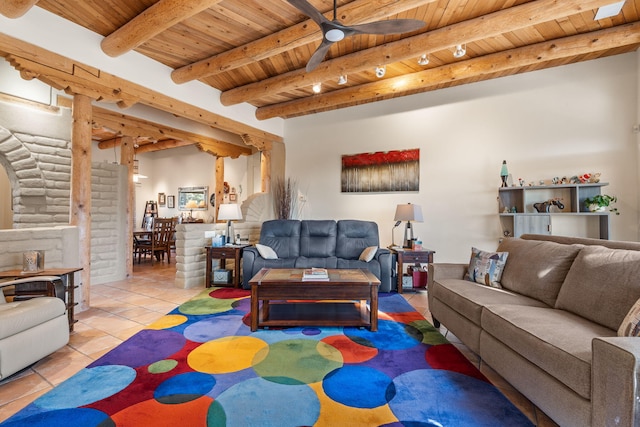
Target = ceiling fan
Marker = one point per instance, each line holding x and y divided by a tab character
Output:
333	31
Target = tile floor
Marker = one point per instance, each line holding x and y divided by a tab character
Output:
120	309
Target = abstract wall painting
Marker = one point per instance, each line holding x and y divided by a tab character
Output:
383	171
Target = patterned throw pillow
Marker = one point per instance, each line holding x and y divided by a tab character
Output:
368	253
266	252
630	326
486	267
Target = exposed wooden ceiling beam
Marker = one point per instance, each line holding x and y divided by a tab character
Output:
490	25
69	75
154	20
136	128
16	8
357	12
483	67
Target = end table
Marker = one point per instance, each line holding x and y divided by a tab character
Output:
406	256
223	253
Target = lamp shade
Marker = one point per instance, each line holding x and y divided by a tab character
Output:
409	212
229	211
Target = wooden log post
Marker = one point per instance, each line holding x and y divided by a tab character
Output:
219	183
81	187
126	158
265	171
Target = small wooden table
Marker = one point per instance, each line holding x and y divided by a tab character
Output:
66	275
223	253
415	256
288	300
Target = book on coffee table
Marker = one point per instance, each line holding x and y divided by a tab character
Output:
315	274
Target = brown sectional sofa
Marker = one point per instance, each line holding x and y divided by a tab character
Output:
551	331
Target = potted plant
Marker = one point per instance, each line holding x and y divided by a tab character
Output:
599	202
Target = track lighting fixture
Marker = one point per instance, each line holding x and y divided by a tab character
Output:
423	60
317	87
460	51
381	71
342	79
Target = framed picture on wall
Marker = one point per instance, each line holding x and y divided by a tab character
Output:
233	197
171	202
162	200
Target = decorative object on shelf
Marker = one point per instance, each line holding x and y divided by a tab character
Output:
229	212
408	212
32	261
544	207
504	173
171	202
600	202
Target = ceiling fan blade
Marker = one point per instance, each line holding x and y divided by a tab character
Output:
319	55
392	26
305	7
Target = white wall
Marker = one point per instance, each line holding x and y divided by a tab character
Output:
562	121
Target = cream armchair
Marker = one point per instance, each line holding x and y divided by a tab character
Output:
31	329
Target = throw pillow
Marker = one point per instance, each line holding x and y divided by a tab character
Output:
630	326
368	253
266	252
486	267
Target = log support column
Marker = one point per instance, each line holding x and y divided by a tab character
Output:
81	188
219	184
265	171
126	158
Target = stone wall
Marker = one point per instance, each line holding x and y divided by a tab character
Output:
35	150
191	240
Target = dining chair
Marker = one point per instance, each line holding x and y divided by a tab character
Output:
159	244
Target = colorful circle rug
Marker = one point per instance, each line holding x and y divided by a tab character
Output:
201	365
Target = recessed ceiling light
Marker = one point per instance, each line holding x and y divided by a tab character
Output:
609	10
317	87
381	70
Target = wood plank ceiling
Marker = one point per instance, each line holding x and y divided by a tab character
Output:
255	51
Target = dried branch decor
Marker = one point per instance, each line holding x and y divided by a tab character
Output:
285	200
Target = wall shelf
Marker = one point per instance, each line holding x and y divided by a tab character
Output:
527	220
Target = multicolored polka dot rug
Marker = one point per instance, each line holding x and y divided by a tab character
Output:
201	365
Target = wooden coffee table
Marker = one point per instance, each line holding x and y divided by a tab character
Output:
287	300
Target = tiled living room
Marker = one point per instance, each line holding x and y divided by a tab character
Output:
499	119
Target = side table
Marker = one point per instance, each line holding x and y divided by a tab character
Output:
65	274
224	253
407	256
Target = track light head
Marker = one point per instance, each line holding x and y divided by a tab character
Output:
381	70
460	51
342	79
423	60
317	87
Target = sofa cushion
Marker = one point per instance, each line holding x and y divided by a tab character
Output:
556	341
486	267
266	252
318	238
283	236
468	298
354	236
536	269
16	317
602	285
630	326
368	253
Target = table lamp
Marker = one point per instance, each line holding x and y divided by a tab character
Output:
229	212
408	212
